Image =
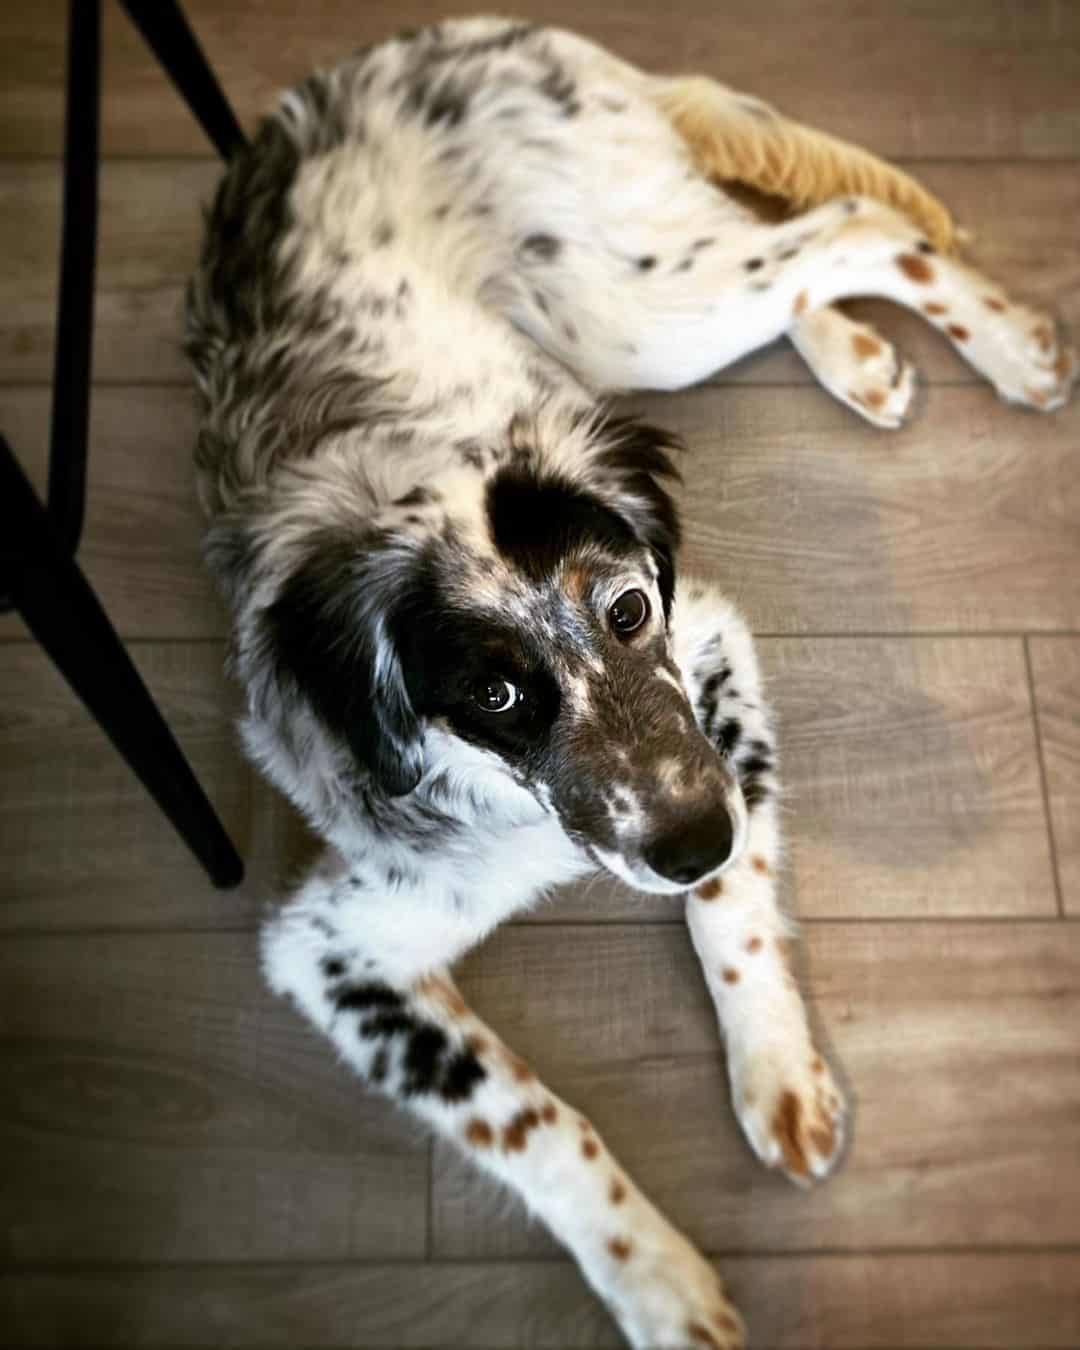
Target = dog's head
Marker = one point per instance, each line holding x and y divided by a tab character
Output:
521	618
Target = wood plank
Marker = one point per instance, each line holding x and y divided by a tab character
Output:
911	784
141	544
83	846
961	1043
811	520
910	770
1055	665
159	1105
972	78
876	1302
151	225
814	523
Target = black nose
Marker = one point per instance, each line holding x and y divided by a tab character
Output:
693	848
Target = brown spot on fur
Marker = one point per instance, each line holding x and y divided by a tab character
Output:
476	1044
873	398
521	1071
1044	336
583	1125
823	1138
1061	365
516	1134
817	1064
702	1335
866	346
589	1148
786	1132
801	302
731	975
915	268
441	991
711	889
755	944
758	863
549	1115
617	1194
725	1322
1036	396
996	305
958	331
935	310
620	1248
479	1132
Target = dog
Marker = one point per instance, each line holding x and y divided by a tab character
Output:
451	565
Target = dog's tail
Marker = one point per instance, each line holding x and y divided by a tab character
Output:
739	139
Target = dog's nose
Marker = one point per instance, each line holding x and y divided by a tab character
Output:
693	848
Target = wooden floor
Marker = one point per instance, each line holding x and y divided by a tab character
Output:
183	1165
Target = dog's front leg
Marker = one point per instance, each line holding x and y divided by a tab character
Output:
783	1092
417	1041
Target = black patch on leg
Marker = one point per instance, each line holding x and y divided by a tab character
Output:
423	1059
462	1074
361	997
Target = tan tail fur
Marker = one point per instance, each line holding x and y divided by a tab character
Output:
735	138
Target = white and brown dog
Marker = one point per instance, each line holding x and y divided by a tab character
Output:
452	568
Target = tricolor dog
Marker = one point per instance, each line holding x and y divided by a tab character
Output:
451	566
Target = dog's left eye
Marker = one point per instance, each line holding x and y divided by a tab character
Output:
495	696
629	612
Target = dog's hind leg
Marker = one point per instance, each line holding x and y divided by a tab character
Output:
783	1091
418	1042
856	365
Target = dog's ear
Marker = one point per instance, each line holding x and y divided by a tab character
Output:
329	633
638	457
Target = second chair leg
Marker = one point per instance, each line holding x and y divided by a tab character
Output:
62	611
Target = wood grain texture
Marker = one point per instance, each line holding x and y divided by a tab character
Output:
910	769
879	1302
960	1042
911	784
158	1105
1055	666
151	223
971	78
83	846
810	520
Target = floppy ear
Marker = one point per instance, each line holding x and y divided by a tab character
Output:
330	634
638	456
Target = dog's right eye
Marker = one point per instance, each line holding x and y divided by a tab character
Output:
495	696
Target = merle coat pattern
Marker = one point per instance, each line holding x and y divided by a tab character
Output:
451	566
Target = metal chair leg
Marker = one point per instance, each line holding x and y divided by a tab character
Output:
64	614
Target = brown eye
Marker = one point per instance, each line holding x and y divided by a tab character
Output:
495	696
629	612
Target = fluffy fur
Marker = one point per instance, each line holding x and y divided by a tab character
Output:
451	567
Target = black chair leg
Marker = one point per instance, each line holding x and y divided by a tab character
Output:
168	34
64	614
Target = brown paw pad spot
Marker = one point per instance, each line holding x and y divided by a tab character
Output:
589	1148
731	975
934	310
617	1193
620	1248
755	944
998	306
549	1115
786	1132
958	332
866	346
700	1333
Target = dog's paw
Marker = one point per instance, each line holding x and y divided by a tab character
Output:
791	1111
1034	365
880	385
672	1299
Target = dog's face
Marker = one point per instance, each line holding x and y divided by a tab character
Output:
536	634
